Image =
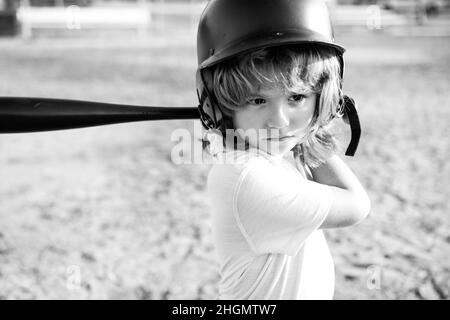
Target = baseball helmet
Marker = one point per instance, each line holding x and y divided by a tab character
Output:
228	28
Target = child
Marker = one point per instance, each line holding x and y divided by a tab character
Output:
270	78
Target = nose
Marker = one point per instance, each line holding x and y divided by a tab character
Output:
279	117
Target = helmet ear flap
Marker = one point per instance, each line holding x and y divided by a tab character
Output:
348	110
210	114
351	114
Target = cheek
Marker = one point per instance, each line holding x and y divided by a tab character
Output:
302	119
246	120
238	120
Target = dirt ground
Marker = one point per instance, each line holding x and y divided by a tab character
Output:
103	213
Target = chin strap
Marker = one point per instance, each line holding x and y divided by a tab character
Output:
351	113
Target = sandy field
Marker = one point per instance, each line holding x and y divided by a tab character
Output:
103	212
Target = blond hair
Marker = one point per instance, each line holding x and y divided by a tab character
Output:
309	69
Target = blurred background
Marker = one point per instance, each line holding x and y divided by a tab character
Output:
103	212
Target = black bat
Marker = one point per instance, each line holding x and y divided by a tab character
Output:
41	114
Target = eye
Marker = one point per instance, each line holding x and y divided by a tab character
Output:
257	101
297	97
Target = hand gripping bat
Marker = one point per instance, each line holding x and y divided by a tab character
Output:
41	114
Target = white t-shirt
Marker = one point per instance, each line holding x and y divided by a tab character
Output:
265	220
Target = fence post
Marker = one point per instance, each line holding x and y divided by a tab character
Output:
143	28
25	27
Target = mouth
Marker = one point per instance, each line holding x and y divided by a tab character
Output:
281	139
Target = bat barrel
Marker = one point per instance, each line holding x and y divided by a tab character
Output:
41	114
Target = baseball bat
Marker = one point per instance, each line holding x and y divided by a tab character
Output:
18	114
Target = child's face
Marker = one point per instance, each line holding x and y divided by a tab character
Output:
288	113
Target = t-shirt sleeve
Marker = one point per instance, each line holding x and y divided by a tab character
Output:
276	210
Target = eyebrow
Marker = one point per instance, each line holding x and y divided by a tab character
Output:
305	90
301	91
259	95
290	92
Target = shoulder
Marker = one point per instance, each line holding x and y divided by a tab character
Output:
233	167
